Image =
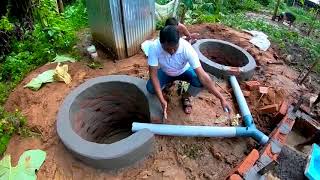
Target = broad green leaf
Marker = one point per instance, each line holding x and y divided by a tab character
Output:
29	162
63	58
37	82
50	33
5	167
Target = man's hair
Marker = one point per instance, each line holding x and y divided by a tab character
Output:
169	34
171	21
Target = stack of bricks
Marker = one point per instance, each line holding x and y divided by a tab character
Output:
239	172
252	85
257	163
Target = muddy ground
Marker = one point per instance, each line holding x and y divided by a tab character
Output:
173	157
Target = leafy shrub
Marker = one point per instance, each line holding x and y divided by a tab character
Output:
15	67
5	89
51	34
5	24
200	11
160	24
10	123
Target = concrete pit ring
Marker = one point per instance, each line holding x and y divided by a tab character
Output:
94	122
223	59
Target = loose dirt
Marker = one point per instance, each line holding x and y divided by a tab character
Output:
173	157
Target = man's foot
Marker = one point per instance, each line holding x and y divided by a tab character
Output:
187	105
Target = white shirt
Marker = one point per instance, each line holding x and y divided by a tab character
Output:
176	64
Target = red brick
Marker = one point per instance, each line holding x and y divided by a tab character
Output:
267	151
248	162
284	120
263	90
246	93
252	85
281	137
284	108
235	177
269	108
275	134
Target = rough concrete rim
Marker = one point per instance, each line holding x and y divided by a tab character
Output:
220	70
107	156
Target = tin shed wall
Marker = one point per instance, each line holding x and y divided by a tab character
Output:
139	22
105	21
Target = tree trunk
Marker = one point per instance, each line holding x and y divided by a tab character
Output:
60	6
276	10
309	71
21	9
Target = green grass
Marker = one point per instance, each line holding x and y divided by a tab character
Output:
232	13
279	35
304	17
211	11
10	123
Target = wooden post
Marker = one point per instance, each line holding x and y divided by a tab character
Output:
309	71
276	10
60	6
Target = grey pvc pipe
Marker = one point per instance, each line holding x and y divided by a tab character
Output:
208	131
201	131
180	130
244	109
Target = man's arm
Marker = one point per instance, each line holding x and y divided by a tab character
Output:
204	78
156	85
184	30
210	86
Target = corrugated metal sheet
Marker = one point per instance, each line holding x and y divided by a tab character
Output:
139	22
105	22
121	25
118	32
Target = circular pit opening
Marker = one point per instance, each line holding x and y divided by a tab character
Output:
223	54
104	112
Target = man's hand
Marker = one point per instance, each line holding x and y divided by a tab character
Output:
207	82
157	88
194	36
164	105
225	105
